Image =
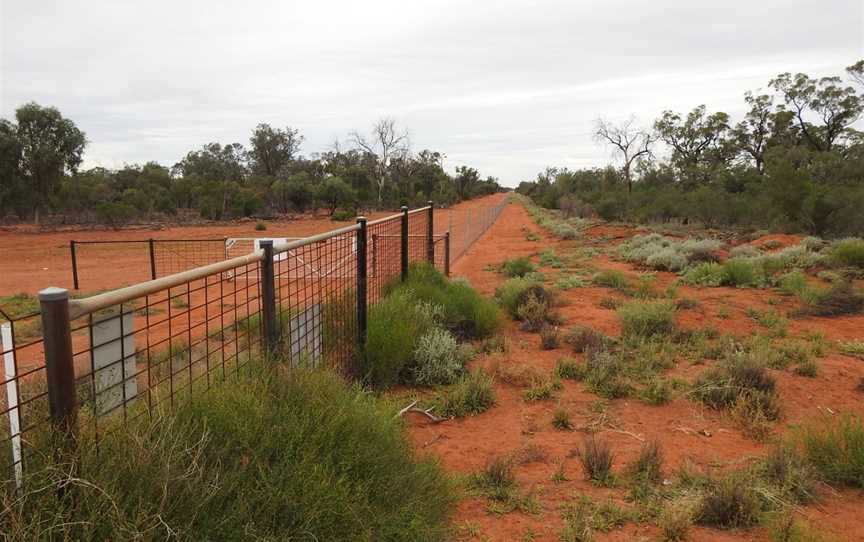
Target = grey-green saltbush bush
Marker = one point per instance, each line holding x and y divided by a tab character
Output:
565	231
744	251
438	359
271	455
663	253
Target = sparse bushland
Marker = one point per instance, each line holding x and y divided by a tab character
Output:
548	258
561	419
648	467
568	282
254	456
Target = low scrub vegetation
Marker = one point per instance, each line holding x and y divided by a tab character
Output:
517	267
472	394
647	318
662	253
254	457
412	332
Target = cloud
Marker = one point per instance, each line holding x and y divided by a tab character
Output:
509	87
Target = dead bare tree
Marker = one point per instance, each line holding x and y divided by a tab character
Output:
627	140
385	143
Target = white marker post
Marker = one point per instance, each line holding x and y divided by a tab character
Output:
8	349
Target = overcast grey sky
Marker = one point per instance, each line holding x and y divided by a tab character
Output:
509	87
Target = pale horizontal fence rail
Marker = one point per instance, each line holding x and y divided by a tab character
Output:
92	364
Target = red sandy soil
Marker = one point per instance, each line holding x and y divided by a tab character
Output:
30	260
682	426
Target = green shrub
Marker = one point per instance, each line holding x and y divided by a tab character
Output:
569	282
548	258
840	298
583	338
561	420
473	394
596	457
465	312
612	278
550	338
648	467
438	359
565	231
849	253
647	318
395	325
342	215
253	457
533	313
602	373
852	348
667	259
705	274
835	448
517	267
745	386
744	251
739	273
729	503
260	226
567	368
513	293
542	390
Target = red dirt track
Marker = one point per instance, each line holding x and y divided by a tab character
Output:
686	431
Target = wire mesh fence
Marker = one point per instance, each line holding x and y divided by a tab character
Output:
468	225
90	365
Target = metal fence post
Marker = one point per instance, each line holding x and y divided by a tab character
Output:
430	234
74	264
59	365
447	254
404	242
152	258
361	283
268	298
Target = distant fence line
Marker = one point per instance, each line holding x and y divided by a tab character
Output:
94	363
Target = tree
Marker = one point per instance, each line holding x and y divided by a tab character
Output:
697	141
51	146
754	132
10	167
385	143
465	181
836	106
856	72
335	192
271	150
631	143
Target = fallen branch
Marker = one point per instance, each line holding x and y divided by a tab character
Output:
414	408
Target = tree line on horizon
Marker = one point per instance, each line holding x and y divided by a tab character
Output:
794	162
41	153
